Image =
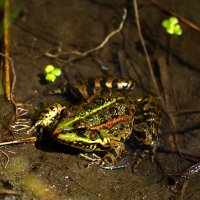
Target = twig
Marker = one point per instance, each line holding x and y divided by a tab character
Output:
185	21
7	157
98	47
11	92
151	69
186	111
144	47
13	81
183	189
10	192
181	152
101	45
22	140
6	48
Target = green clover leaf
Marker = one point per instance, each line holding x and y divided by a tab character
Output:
172	27
52	73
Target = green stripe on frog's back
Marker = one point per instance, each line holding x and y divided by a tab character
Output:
87	113
89	87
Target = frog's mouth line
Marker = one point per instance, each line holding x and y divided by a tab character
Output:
83	143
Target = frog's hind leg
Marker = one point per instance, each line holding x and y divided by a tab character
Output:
145	128
139	158
113	155
142	154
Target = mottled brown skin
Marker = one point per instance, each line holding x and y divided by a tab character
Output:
105	120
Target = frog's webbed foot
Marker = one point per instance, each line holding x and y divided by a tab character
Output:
141	155
139	158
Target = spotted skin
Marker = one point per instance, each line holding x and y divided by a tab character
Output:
105	120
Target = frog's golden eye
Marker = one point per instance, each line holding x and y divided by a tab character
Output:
81	128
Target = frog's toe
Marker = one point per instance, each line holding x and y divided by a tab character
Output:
113	167
95	159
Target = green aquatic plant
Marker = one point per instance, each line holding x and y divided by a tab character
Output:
172	26
52	73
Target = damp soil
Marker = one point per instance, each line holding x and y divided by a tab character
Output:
43	33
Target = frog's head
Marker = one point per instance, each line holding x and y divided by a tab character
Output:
77	133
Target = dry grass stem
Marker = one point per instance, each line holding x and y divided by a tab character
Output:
98	47
7	157
183	189
102	44
9	192
144	47
11	90
6	48
185	21
22	140
186	111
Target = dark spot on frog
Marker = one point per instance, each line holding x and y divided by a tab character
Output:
90	119
102	118
139	132
127	111
113	152
113	111
109	160
99	101
52	108
90	90
122	126
115	83
116	134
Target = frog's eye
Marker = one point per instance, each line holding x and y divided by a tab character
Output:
81	128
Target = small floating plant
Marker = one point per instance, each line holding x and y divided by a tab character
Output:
52	73
172	26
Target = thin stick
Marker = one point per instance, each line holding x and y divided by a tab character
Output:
183	189
151	67
6	48
11	95
185	21
144	47
186	111
101	45
22	140
7	157
98	47
10	192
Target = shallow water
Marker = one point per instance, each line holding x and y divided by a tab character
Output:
51	171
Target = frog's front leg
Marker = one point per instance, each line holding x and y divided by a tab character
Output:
47	116
113	154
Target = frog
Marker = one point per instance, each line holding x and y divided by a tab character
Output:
108	115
